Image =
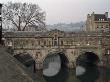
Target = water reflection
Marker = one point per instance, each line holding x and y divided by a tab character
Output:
86	72
91	75
53	63
62	76
80	70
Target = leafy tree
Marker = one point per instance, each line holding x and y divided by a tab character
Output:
22	15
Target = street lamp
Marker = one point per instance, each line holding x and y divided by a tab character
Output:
0	24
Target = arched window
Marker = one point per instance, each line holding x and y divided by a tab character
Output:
55	43
55	38
49	42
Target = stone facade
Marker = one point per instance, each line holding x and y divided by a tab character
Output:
72	44
98	22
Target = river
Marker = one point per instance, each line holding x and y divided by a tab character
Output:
84	72
92	74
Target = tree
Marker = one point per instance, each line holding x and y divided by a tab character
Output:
22	15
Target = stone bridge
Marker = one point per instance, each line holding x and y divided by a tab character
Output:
72	44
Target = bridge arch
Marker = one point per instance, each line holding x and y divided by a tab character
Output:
63	57
88	58
27	60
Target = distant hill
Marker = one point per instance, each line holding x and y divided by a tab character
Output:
67	27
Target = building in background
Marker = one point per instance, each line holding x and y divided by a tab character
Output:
98	22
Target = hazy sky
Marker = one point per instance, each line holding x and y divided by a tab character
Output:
67	11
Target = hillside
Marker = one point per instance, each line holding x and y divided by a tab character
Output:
67	27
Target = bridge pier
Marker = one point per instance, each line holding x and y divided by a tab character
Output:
39	66
71	65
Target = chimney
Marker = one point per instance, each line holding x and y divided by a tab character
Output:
106	15
88	15
92	16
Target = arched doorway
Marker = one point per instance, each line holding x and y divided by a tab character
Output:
87	59
54	62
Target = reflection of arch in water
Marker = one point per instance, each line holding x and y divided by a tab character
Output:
51	58
26	60
62	76
87	59
91	75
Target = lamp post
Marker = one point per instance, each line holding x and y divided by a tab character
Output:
0	24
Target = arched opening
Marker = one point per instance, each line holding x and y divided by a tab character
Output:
53	63
64	60
26	60
87	59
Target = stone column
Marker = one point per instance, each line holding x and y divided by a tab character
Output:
39	65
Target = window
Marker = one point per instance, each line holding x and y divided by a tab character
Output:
61	42
44	42
55	43
55	37
102	26
106	26
67	42
38	42
49	42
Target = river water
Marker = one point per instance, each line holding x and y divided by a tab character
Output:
82	73
92	74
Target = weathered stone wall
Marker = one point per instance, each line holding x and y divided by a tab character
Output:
70	43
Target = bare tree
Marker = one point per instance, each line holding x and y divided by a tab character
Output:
22	15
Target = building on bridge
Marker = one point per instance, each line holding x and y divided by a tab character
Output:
72	44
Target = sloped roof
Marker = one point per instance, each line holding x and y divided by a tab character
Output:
100	16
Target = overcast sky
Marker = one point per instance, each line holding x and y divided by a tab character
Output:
67	11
